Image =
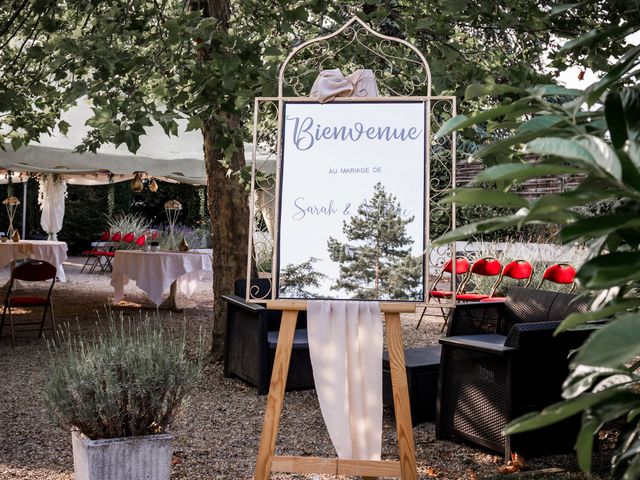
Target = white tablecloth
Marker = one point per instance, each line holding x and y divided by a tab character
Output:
154	272
53	252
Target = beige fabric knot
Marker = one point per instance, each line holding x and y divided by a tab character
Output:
331	84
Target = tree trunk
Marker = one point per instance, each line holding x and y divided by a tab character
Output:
229	213
227	204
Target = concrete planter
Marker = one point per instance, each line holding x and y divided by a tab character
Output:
128	458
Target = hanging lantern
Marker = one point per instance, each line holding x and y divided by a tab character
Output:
136	184
11	204
153	186
172	209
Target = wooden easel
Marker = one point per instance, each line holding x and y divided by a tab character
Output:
268	462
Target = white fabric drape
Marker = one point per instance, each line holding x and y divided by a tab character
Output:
345	344
52	193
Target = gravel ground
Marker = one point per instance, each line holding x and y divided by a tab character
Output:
217	434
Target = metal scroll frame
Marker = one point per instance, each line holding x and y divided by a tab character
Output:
261	105
267	461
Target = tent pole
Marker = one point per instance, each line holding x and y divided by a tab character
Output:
24	208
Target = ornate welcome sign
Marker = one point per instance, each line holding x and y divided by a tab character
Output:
352	199
346	194
346	214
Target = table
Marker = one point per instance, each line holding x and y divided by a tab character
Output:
157	272
422	380
54	252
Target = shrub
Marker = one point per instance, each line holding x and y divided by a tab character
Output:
129	381
128	222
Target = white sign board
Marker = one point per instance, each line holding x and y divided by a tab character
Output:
352	203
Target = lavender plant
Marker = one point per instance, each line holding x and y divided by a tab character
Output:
129	381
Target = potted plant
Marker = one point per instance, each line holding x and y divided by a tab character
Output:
118	394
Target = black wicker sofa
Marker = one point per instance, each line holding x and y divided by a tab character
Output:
251	335
500	361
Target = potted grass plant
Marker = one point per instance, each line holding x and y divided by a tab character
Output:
117	394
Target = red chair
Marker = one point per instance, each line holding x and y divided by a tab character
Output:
518	270
92	255
462	267
30	271
105	254
485	267
561	273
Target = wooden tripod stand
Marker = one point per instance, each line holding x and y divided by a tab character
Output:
268	462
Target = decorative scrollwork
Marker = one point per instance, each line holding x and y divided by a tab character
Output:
399	68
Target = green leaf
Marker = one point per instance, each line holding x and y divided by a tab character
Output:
584	441
479	90
583	378
597	226
610	270
517	172
459	122
614	75
195	123
630	100
559	411
508	142
485	226
561	8
539	122
579	196
16	143
575	319
612	345
614	114
554	90
482	196
453	124
587	149
63	127
588	37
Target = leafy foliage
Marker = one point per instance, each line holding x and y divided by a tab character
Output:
603	144
130	381
376	263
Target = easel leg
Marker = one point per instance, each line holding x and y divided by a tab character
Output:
276	395
402	408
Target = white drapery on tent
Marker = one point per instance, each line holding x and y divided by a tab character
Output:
52	194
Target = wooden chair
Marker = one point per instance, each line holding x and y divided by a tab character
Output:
561	273
517	270
462	268
30	271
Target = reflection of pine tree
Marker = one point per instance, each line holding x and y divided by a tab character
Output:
376	263
296	279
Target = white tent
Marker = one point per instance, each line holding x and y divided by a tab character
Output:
178	158
172	159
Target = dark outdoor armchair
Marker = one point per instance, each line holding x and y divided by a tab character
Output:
500	361
251	338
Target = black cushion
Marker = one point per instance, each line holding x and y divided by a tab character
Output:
300	339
